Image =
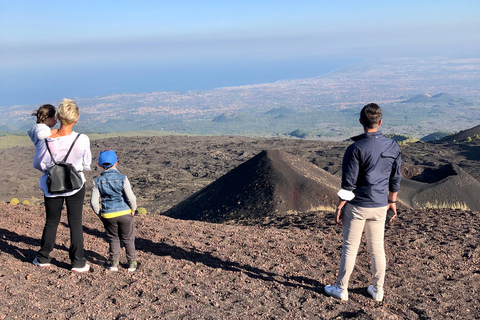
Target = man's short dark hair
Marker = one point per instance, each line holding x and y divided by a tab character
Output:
371	115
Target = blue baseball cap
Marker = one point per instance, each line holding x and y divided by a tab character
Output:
107	158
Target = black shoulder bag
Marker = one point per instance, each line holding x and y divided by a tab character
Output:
62	176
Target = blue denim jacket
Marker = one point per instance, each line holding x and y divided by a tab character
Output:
110	185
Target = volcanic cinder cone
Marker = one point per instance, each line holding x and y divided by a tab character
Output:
271	183
447	186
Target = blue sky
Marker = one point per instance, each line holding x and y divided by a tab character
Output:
51	37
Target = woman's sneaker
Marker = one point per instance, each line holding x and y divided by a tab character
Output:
132	266
83	269
112	265
336	292
377	294
38	264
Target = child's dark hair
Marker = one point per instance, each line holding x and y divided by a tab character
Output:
370	115
45	111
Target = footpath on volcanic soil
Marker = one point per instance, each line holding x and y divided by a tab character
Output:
270	270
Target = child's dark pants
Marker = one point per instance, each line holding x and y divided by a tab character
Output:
120	228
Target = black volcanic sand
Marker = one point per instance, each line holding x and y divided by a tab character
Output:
271	183
166	170
274	270
446	184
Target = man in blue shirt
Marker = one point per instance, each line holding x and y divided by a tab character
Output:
370	183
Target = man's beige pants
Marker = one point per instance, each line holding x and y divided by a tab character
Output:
355	220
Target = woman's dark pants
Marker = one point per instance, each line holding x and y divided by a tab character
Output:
53	208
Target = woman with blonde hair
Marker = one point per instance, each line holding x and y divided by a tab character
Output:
80	157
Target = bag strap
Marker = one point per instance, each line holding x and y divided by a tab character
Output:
68	153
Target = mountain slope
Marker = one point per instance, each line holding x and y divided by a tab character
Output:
463	135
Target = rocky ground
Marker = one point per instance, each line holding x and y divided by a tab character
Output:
273	268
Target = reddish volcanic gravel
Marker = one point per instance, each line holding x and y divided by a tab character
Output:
270	269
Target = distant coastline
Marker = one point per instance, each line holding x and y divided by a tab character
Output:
418	97
93	80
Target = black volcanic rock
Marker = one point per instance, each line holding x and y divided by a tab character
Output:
271	183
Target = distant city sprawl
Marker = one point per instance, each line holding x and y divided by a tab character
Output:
418	97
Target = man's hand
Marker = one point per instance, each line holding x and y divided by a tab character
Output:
339	211
392	206
338	216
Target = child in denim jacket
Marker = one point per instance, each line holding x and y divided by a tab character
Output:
118	205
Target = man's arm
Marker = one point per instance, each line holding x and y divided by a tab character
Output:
395	175
394	185
350	169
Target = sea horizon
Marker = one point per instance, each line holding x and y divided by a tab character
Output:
52	83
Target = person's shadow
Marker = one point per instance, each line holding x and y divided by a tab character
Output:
159	249
206	258
27	255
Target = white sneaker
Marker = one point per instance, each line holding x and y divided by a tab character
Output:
38	264
336	292
84	269
112	265
132	266
377	294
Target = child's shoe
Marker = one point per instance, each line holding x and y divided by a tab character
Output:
112	265
38	264
132	266
83	269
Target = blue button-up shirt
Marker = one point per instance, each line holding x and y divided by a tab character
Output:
371	168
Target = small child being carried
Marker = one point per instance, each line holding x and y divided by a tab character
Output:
45	121
118	205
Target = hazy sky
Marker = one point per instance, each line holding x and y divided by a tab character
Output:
38	35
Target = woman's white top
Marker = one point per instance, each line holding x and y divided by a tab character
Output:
80	157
